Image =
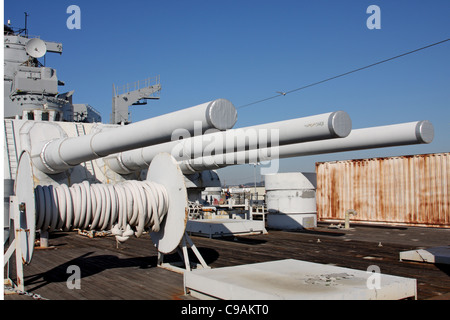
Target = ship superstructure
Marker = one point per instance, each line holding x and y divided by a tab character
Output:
31	89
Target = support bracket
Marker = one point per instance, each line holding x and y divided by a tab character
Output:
182	250
15	247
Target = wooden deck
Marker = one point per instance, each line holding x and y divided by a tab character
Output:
130	272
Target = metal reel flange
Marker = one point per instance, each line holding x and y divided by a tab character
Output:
24	191
164	170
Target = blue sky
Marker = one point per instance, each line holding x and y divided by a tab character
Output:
247	50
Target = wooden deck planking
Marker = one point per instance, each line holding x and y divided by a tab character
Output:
433	280
130	272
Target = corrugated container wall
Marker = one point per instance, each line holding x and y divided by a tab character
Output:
408	190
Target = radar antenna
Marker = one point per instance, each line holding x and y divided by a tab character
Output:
36	48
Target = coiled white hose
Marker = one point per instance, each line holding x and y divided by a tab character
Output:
126	208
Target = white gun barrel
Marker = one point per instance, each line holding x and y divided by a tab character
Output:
60	154
359	139
318	127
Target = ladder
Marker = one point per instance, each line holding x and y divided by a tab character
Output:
88	164
11	147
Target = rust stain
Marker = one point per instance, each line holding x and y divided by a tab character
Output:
411	190
177	295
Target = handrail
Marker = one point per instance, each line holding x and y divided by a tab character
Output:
133	86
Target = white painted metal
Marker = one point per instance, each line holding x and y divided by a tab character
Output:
439	255
367	138
36	48
60	154
291	200
164	170
219	227
347	217
323	126
292	221
158	204
296	280
125	206
183	252
7	191
359	139
11	148
16	246
23	189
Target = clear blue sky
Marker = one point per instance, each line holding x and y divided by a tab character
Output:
247	50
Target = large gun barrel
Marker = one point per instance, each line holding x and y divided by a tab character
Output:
60	154
323	126
359	139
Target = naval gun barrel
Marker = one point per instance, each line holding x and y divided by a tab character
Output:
59	155
323	126
420	132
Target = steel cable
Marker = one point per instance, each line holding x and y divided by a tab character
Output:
282	94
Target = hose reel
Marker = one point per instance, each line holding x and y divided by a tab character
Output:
158	204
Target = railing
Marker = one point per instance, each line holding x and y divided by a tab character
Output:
133	86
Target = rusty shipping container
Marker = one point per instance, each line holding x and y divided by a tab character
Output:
404	190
